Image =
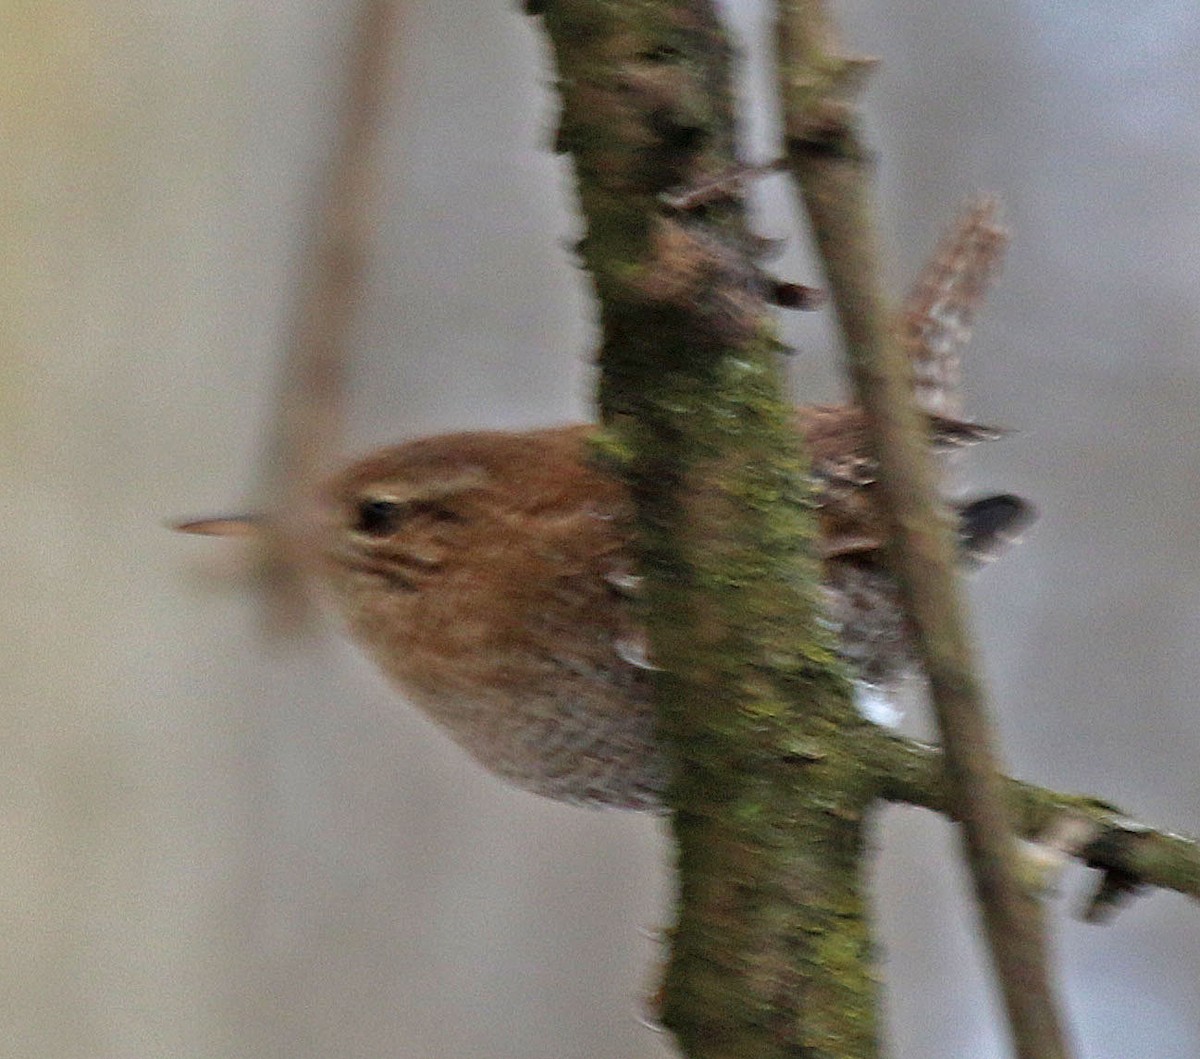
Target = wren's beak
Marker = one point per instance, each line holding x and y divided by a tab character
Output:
220	526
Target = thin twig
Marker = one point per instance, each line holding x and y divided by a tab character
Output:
818	85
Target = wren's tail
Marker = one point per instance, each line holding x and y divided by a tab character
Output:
936	319
989	526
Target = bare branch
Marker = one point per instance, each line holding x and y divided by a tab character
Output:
818	84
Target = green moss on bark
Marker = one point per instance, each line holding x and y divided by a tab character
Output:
772	951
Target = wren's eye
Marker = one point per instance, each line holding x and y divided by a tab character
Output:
378	518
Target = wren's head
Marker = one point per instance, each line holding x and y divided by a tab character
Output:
399	530
473	516
483	573
402	529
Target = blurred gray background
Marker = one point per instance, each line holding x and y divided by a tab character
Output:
211	848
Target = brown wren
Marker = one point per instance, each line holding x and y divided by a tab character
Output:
490	576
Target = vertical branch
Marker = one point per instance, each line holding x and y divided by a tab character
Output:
826	158
772	950
306	430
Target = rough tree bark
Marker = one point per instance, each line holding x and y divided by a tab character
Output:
771	955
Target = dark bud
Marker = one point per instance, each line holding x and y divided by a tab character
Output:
989	526
1116	889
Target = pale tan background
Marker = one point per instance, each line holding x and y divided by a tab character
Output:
208	850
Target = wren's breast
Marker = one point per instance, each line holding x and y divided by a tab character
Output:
567	736
567	716
563	722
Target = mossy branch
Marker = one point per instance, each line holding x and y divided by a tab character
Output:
1126	850
771	954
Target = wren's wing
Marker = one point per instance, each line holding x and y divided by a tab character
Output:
936	320
844	472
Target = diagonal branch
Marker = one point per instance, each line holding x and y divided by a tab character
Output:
818	85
